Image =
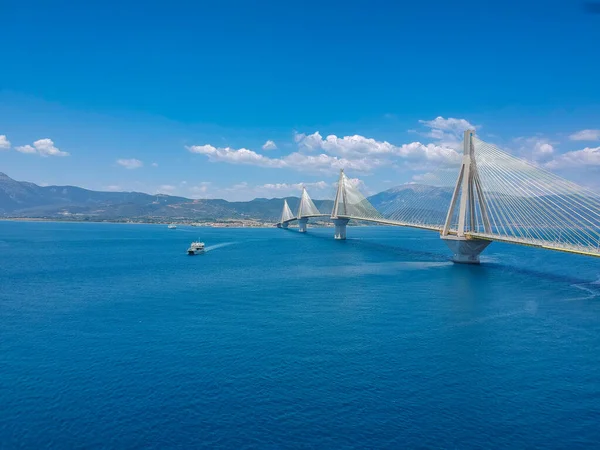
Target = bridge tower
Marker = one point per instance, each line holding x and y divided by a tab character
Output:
303	221
469	191
286	216
340	208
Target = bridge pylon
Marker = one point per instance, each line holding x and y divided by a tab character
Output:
306	209
286	216
469	197
340	208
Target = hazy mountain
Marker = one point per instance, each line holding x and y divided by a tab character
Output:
22	199
411	194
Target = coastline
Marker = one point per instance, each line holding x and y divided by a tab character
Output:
140	221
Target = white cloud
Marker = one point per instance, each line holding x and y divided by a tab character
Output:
328	164
4	142
297	161
233	156
308	142
426	178
318	154
449	124
586	135
113	188
154	164
130	163
357	183
45	147
576	159
246	191
26	149
201	189
447	132
366	150
42	147
166	189
269	145
536	148
318	185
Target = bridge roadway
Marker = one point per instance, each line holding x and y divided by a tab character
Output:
535	243
379	221
303	217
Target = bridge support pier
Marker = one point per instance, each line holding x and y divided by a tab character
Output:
284	225
340	228
302	224
465	251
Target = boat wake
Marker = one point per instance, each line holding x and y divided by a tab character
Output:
216	246
591	292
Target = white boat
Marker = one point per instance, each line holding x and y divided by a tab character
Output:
196	247
172	226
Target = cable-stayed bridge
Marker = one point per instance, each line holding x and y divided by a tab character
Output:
495	197
306	210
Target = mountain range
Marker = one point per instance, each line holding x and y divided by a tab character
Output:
28	200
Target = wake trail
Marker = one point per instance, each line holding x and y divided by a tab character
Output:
216	246
592	293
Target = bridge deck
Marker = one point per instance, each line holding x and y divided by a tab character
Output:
556	246
396	223
536	243
303	217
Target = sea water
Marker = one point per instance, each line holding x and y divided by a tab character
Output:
112	337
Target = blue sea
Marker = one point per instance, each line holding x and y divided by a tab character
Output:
112	337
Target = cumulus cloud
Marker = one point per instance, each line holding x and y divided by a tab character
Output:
317	189
298	161
370	153
576	159
269	145
4	142
357	183
329	154
131	163
308	142
26	149
233	156
318	185
449	124
328	164
154	164
45	147
536	148
586	135
447	132
113	188
42	147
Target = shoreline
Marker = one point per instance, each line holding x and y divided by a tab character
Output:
225	224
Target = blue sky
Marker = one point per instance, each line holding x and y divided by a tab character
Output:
182	97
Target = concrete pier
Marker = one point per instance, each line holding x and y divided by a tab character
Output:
302	224
465	251
340	228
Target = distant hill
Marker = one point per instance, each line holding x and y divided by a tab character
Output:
23	199
409	193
